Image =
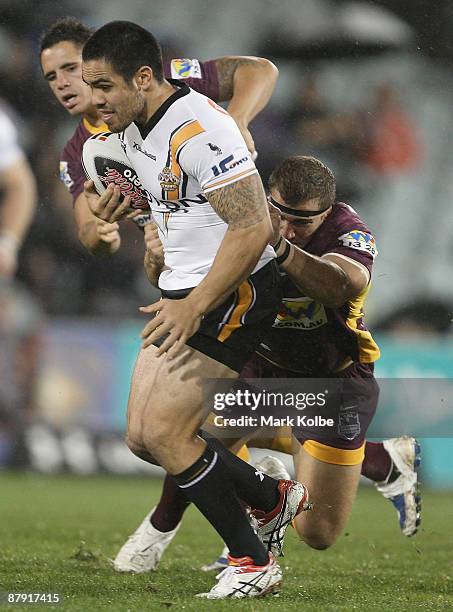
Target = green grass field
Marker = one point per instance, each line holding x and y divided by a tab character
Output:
58	533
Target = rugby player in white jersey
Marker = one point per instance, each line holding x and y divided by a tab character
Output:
18	201
219	285
247	84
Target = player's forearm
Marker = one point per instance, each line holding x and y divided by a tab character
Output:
152	270
236	258
90	239
318	278
248	83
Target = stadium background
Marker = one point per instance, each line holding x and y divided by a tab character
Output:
365	86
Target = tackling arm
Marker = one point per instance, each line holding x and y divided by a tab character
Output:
331	280
247	83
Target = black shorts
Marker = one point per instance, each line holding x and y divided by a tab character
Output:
231	332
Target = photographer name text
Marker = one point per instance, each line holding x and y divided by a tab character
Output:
301	420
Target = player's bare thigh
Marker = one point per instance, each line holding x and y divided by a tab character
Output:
166	398
333	489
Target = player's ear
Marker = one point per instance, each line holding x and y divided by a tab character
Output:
144	77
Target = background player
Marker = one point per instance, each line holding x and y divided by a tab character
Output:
18	197
247	82
19	315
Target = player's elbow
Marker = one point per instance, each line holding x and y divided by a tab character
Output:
339	291
269	68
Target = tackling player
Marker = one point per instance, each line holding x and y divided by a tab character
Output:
247	82
220	288
326	253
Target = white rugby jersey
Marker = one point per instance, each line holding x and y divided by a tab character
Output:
188	148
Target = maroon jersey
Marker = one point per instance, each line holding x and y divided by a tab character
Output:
310	338
201	76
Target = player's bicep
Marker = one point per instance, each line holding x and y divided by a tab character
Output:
241	204
226	68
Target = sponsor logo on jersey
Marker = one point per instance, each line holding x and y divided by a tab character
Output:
167	180
359	240
65	176
185	69
137	147
228	164
300	313
181	205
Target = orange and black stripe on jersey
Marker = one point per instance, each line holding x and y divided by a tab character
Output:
244	299
177	141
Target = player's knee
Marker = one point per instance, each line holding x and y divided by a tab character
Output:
320	536
318	541
135	445
140	451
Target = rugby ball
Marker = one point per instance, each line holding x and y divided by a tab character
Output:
105	161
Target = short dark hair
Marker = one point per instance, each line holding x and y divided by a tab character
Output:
126	46
301	178
67	29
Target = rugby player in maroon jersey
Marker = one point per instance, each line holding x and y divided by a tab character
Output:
325	252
